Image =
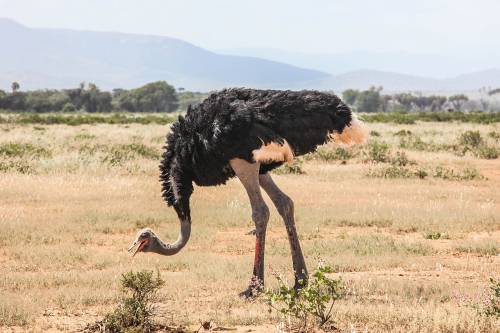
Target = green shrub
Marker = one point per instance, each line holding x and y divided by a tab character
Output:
84	136
494	135
135	312
484	248
75	119
412	117
294	168
437	235
492	308
451	174
123	152
327	154
374	133
391	172
403	132
313	304
421	173
401	159
489	153
16	165
471	139
377	152
415	143
13	149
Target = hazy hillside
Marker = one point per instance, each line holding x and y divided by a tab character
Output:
433	65
53	58
56	58
363	79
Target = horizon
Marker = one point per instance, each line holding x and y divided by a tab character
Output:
293	46
267	54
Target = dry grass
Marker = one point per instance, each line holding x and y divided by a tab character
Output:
68	215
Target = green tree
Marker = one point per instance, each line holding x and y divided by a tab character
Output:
458	101
369	100
96	100
406	100
437	103
349	96
15	86
153	97
3	97
494	92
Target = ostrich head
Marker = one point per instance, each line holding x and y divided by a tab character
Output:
145	241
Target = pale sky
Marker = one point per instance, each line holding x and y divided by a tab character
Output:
316	26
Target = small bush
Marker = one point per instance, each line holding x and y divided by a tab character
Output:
377	152
313	304
397	171
492	307
483	248
437	235
374	133
451	174
16	165
294	168
391	172
13	149
84	136
471	139
494	135
489	153
135	312
403	133
326	154
416	143
401	159
421	173
118	154
12	314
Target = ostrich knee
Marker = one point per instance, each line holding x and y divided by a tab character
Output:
285	206
260	216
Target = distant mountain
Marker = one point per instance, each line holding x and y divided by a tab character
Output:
363	79
419	64
55	58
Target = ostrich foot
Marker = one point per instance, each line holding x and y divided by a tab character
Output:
255	287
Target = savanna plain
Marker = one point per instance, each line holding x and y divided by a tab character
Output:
410	221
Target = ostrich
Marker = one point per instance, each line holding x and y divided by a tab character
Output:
246	133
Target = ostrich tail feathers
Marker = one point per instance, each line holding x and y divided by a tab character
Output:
355	133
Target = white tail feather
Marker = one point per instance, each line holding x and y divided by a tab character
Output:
355	133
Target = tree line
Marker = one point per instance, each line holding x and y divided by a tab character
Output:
372	100
153	97
162	97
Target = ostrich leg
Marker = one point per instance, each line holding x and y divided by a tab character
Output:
285	207
248	173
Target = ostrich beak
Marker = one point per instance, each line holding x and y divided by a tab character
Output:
139	245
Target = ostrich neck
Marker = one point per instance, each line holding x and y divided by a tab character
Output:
182	209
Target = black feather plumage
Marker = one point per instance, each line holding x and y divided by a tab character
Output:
232	123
